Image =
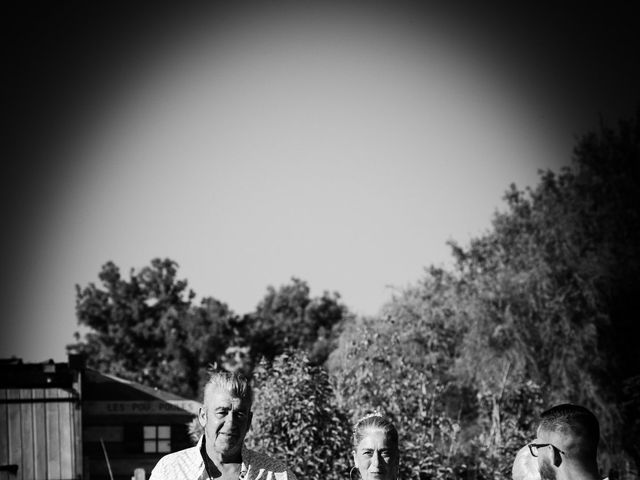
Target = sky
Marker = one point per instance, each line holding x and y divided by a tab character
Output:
342	143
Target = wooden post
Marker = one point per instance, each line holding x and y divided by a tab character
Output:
106	457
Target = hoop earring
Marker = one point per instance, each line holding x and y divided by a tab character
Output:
351	472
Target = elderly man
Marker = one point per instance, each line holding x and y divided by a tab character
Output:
567	444
220	453
525	466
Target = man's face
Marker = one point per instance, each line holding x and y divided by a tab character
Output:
226	420
547	470
547	461
525	466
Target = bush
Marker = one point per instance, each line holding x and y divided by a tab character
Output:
295	418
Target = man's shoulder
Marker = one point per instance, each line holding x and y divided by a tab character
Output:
181	462
169	457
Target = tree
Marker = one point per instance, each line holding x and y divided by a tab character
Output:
211	330
394	364
550	289
296	417
288	318
145	328
536	311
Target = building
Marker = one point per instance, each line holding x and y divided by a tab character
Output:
62	421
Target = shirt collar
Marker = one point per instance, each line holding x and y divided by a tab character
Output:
202	450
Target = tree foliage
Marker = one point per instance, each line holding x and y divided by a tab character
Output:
296	418
394	368
536	311
136	324
550	289
289	318
147	327
403	364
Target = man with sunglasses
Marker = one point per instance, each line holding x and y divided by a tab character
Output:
567	444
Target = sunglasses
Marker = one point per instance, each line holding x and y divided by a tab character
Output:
533	448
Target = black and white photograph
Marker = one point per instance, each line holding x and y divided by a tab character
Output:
323	240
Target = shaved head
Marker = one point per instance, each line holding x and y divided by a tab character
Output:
571	428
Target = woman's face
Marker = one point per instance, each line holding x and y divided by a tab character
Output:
376	456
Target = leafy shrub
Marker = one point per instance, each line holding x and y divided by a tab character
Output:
380	365
295	418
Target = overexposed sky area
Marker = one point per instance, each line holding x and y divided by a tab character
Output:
341	143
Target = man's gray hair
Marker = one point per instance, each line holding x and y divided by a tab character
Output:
234	383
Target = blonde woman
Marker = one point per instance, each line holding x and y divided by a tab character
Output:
375	448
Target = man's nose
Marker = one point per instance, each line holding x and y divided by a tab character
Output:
231	419
375	460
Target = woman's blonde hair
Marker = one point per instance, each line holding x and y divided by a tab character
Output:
374	421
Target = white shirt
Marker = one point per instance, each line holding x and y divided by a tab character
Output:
188	464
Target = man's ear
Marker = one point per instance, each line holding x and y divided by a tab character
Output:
202	416
355	462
